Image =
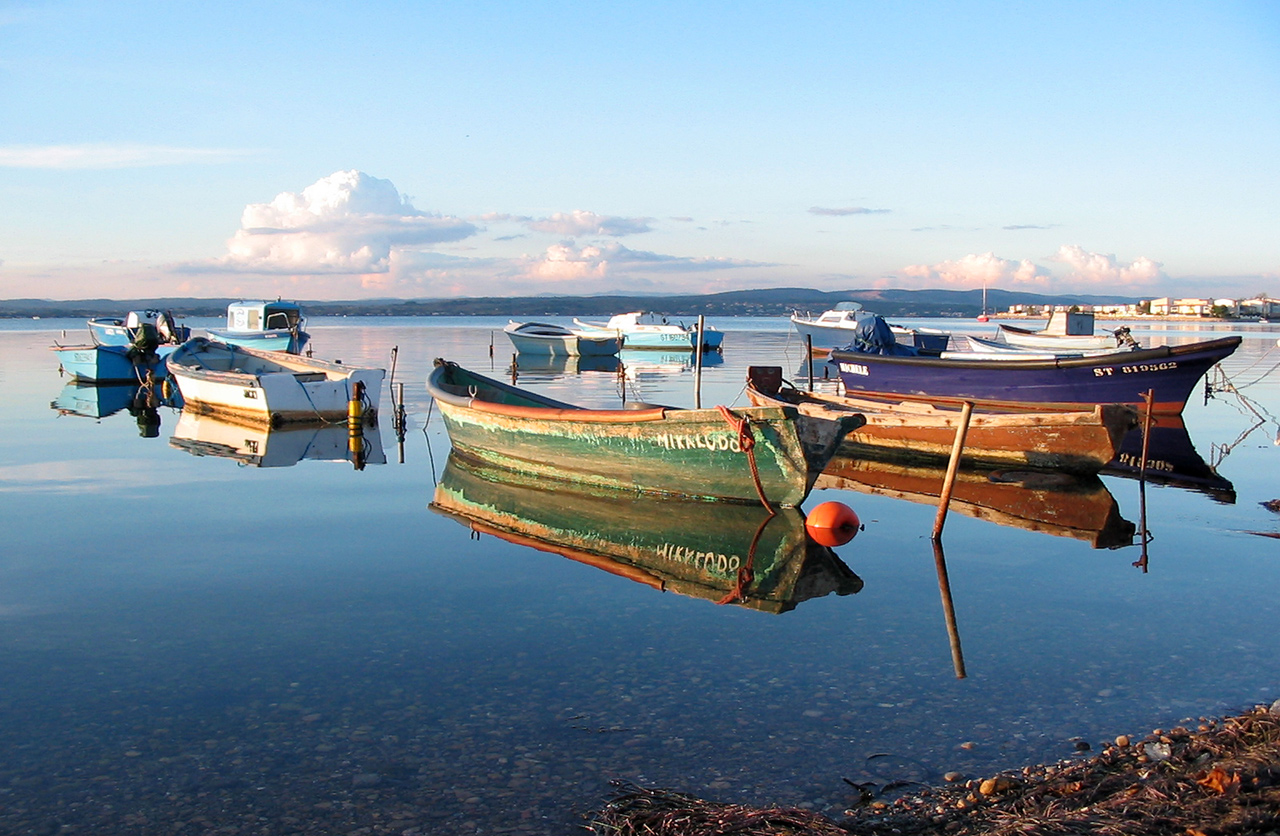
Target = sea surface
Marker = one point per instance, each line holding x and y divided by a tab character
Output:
190	643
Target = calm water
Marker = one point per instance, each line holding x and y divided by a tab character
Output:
188	644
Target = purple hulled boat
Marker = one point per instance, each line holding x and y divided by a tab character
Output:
1034	382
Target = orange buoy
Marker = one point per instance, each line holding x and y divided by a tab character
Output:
832	524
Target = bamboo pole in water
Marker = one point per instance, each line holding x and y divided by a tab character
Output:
952	466
697	367
1148	398
808	355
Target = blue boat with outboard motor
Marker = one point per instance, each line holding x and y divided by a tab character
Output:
875	365
129	349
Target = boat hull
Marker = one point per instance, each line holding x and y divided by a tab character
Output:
693	454
1023	338
666	544
1078	441
111	363
290	342
566	346
1169	372
254	387
822	336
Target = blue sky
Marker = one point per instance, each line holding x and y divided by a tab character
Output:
341	151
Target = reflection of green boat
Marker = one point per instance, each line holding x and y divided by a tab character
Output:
671	545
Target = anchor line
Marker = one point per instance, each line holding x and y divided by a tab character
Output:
747	443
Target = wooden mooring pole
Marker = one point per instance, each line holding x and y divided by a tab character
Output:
952	466
697	367
1148	398
808	356
948	609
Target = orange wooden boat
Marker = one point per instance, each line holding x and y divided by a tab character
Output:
1079	441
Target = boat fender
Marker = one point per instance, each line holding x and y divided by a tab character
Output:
832	524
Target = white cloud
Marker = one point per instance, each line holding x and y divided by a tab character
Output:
847	210
563	262
1099	268
581	222
111	156
975	270
347	222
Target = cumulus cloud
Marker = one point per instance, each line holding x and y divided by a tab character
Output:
581	222
1100	268
563	262
111	156
974	270
848	210
348	222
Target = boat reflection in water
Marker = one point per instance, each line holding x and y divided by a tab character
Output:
1049	502
727	553
540	366
1172	460
261	446
103	400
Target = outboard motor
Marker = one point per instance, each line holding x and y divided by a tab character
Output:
1125	339
143	337
872	335
167	328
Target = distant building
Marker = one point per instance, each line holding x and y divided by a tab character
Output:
1166	306
1259	306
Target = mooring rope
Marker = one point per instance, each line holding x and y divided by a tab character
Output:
747	443
746	572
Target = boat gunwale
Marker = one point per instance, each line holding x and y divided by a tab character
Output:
953	361
544	408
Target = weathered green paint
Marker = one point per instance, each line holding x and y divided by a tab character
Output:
693	453
671	544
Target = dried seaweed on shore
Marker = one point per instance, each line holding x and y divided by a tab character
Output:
636	811
1221	778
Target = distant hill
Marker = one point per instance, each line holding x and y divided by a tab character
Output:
767	302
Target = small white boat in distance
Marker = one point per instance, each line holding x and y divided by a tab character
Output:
273	326
557	341
641	329
1069	331
257	387
835	328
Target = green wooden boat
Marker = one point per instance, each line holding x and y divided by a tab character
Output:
705	454
671	545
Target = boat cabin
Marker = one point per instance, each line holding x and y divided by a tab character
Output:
1069	324
256	315
631	321
842	312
